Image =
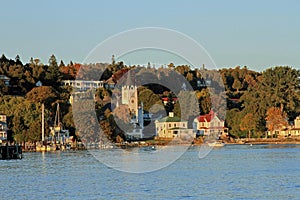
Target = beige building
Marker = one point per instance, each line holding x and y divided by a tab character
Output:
291	131
130	98
172	127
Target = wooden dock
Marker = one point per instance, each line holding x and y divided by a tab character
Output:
10	152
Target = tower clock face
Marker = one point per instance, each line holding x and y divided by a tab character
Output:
132	101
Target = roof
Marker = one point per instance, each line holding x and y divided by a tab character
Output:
295	129
167	98
206	118
169	119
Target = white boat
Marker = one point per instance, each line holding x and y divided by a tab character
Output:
216	144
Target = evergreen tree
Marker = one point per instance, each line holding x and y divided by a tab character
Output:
53	76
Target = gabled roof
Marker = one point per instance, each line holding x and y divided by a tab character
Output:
206	118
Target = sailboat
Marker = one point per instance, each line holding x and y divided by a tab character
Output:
60	136
42	146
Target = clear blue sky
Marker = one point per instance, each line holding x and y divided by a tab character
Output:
255	33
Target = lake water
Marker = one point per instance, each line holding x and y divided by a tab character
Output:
231	172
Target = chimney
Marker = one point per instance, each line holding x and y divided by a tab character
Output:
171	114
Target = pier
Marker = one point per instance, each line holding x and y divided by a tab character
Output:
10	152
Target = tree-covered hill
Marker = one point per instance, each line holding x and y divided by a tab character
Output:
251	97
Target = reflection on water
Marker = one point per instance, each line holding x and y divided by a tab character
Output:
231	172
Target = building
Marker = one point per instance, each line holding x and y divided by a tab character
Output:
130	98
295	131
209	124
172	127
5	80
3	127
135	133
83	84
165	100
290	131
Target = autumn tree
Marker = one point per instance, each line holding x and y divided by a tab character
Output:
43	94
237	85
276	119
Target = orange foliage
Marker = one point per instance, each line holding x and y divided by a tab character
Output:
70	71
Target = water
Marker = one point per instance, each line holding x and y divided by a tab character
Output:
231	172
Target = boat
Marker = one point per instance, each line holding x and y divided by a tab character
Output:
40	148
59	135
216	144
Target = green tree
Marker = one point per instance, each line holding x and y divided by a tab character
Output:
233	120
280	85
148	98
53	76
248	124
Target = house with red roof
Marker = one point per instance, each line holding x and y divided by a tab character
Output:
209	124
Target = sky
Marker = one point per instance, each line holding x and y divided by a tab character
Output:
257	33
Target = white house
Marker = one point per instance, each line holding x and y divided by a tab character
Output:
83	84
209	124
290	131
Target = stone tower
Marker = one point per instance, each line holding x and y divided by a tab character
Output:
130	98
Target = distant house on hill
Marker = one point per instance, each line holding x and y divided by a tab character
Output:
83	85
5	80
38	84
165	100
209	124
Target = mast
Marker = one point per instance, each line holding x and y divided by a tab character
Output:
43	123
57	120
57	124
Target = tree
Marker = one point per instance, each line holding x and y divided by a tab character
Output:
237	85
276	119
204	100
281	85
148	98
62	64
171	66
189	76
248	124
233	120
53	76
18	59
43	94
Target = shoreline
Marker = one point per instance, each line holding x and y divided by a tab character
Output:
251	141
